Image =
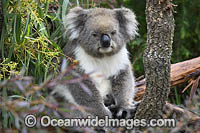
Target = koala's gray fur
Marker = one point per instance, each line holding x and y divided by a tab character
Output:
109	68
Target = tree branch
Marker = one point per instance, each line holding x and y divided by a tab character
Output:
180	73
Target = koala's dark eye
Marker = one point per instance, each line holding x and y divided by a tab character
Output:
113	32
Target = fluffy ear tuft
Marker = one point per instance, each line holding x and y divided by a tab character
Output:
127	22
74	22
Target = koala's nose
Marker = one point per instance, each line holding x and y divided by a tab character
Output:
105	41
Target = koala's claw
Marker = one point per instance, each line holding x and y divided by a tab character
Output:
124	111
136	103
127	110
120	113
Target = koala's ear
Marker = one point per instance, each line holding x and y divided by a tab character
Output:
74	22
127	22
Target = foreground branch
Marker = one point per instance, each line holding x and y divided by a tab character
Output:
192	116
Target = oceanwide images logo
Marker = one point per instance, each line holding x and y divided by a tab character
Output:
45	121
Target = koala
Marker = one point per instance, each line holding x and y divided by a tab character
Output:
97	40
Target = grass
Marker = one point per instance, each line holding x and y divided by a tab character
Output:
31	39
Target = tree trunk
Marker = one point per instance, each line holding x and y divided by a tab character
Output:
160	32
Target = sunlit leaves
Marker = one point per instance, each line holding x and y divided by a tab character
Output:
28	39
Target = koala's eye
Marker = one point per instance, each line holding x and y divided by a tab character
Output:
94	34
113	32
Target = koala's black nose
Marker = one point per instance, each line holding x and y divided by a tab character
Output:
105	41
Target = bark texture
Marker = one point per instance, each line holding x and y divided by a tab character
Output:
156	59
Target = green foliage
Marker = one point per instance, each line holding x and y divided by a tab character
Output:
187	33
8	68
32	35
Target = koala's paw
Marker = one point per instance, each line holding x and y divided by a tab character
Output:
125	111
108	112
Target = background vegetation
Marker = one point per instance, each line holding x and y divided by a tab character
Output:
32	37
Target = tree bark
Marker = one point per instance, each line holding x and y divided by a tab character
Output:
156	59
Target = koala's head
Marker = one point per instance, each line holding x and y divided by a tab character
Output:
99	31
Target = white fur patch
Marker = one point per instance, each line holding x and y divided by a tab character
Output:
102	68
68	22
132	25
63	91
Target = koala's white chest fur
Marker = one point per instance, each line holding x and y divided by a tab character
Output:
102	68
